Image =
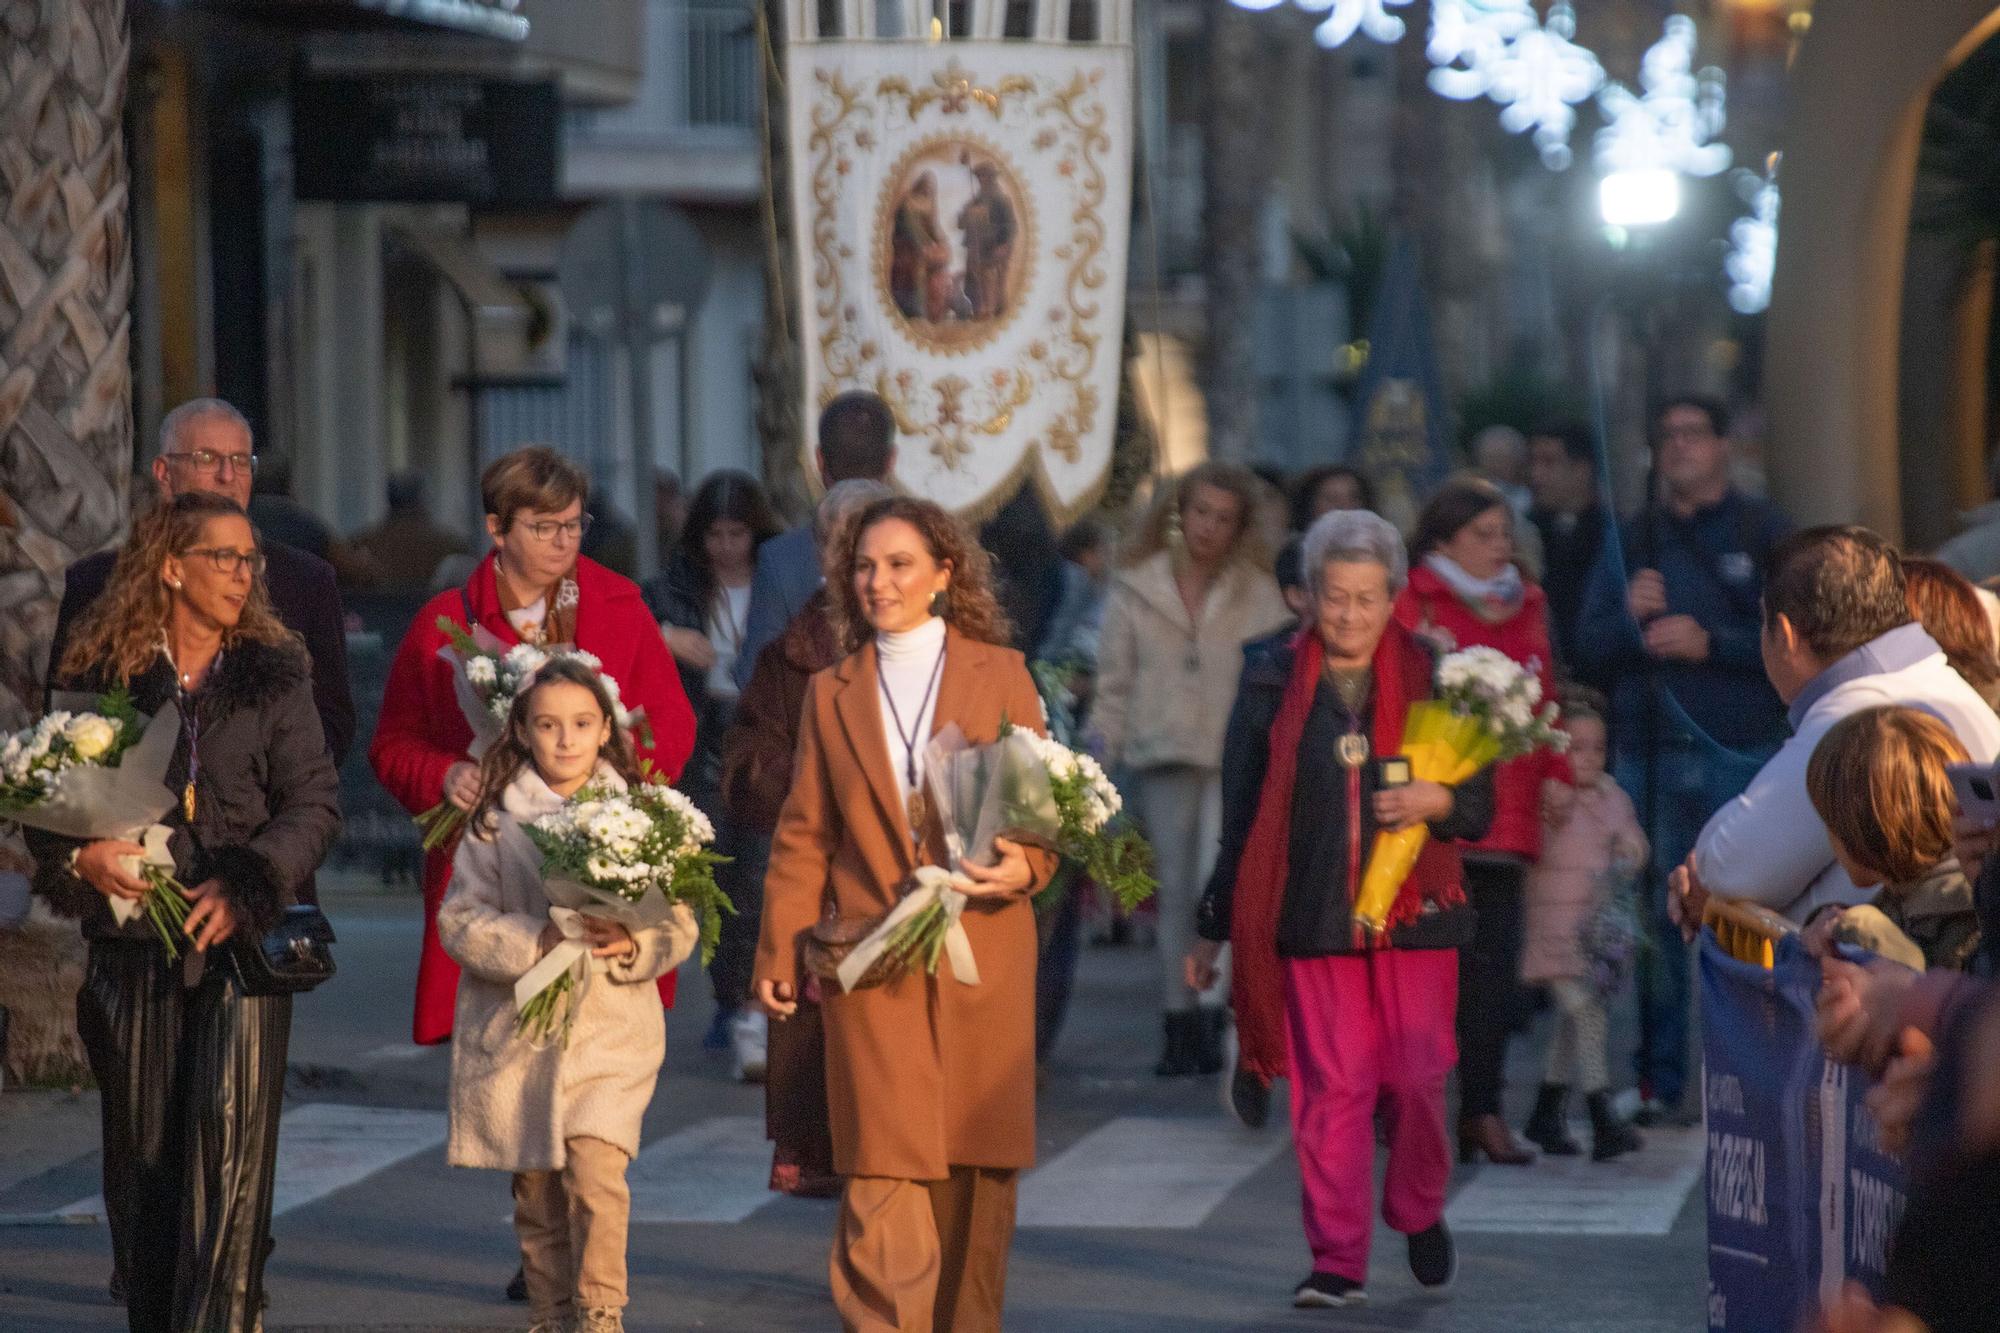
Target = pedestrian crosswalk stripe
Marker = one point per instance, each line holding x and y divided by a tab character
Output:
1639	1194
1145	1173
715	1171
324	1147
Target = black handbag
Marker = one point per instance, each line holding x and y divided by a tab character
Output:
293	956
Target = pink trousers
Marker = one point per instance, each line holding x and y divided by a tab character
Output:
1359	1027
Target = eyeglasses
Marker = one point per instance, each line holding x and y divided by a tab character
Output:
210	463
548	529
226	561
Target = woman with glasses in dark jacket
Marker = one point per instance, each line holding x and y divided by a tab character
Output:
191	1068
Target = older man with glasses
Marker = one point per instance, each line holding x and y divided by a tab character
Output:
206	446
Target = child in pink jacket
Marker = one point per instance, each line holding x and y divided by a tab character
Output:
1596	845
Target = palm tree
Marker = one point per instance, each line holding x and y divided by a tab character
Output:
779	371
65	407
65	320
1236	180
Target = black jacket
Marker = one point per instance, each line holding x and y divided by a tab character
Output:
305	598
1314	919
267	800
1570	547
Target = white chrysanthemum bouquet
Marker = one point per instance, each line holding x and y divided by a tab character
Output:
625	856
101	773
1487	708
487	677
1115	856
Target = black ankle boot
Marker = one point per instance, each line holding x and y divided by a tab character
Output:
1609	1136
1210	1025
1183	1035
1548	1127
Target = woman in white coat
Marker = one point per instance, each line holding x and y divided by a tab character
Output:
1186	601
564	1117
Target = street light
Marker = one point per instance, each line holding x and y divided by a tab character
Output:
1645	197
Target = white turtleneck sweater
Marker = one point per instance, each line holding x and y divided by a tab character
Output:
909	663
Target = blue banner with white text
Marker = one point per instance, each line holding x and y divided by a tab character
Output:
1802	1196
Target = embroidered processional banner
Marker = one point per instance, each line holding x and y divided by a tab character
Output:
962	222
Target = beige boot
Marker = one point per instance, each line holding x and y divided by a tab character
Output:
602	1319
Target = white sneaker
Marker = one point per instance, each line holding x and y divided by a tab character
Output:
749	1033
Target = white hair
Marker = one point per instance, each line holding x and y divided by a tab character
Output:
843	500
196	409
1356	535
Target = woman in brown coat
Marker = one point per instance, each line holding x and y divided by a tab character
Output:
930	1081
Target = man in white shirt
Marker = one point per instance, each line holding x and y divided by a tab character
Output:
1838	638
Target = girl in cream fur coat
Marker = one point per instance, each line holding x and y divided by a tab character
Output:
564	1118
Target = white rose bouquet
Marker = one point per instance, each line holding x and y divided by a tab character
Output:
1487	708
487	677
624	856
100	772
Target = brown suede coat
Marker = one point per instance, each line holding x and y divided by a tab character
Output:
923	1073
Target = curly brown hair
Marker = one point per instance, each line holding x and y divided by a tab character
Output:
512	752
122	628
970	606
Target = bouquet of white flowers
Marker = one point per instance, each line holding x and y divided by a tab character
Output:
620	856
1087	804
487	677
1023	787
100	772
1487	708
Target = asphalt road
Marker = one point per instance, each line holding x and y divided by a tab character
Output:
1152	1212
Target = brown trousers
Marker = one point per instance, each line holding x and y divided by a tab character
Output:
924	1256
572	1226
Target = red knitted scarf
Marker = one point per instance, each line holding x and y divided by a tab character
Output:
1402	672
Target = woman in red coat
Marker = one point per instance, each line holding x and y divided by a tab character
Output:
1465	592
532	587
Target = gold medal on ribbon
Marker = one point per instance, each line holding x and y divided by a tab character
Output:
1352	749
919	811
187	802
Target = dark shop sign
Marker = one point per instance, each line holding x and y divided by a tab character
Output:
425	138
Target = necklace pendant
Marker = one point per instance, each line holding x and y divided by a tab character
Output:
918	808
1192	663
1352	749
187	801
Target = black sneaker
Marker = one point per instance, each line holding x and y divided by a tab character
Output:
1327	1291
1248	1098
1433	1258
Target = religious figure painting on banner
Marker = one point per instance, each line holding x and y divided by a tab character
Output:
955	241
962	226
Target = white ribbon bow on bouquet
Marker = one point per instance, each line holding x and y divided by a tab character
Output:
557	960
935	890
154	840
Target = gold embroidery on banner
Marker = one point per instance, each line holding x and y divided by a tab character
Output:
950	412
840	362
954	89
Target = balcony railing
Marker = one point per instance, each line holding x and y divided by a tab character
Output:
721	54
700	75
